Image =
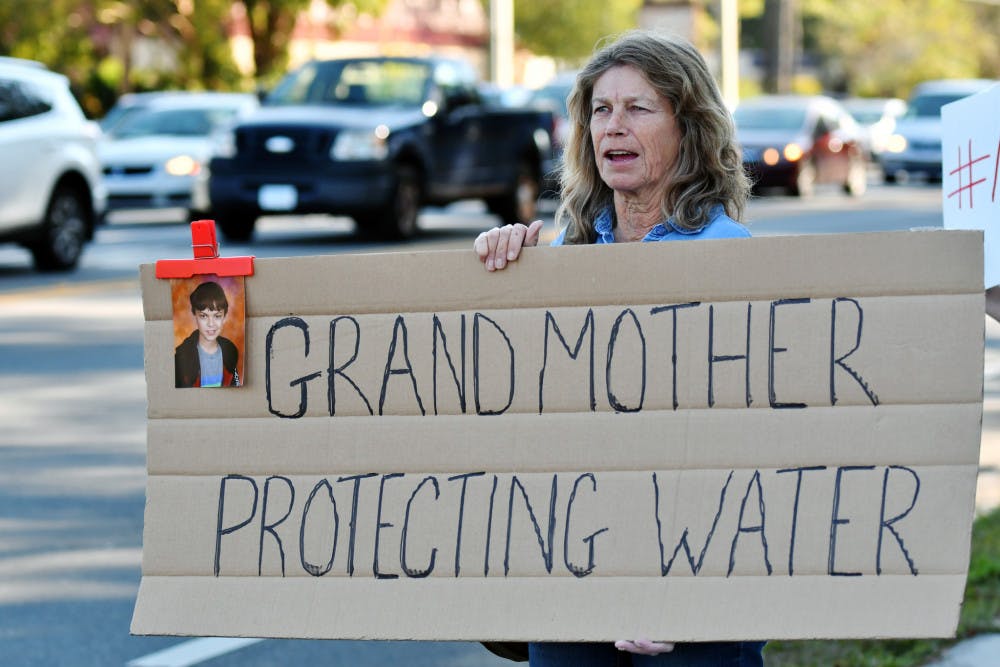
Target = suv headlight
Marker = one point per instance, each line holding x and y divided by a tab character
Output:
361	144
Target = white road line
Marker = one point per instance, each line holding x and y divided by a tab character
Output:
192	652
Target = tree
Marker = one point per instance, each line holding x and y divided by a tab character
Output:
569	29
91	42
885	47
271	23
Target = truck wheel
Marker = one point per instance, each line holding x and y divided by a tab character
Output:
520	204
235	225
397	220
64	231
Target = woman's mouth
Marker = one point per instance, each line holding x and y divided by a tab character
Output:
619	156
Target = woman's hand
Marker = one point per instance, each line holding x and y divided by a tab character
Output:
644	646
501	245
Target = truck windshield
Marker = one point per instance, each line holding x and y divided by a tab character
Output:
364	83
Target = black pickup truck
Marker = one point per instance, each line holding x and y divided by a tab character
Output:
376	139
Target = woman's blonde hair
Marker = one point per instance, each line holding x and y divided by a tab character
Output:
709	166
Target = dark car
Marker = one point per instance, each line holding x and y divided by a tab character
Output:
798	142
376	139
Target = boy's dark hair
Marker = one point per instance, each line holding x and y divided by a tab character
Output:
209	296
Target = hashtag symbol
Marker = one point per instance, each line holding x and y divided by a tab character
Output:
996	170
959	172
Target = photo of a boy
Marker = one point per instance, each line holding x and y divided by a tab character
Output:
205	358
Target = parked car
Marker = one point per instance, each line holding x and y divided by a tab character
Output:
51	193
798	142
876	116
375	139
152	156
914	149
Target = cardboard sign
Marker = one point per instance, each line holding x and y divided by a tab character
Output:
736	439
970	149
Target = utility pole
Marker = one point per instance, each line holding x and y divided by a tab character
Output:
502	42
782	34
730	52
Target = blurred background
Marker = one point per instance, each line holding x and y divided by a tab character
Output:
848	47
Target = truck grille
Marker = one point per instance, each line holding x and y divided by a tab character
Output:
276	145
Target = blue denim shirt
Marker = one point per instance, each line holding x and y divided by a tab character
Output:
719	226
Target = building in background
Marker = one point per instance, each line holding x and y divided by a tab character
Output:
458	28
680	17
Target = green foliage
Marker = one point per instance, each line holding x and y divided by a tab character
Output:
980	613
869	47
886	47
271	25
569	29
91	42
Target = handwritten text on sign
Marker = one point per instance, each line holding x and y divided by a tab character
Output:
414	525
619	359
626	360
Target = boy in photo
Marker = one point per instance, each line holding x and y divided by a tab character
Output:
206	359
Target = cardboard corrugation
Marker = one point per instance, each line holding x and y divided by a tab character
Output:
803	442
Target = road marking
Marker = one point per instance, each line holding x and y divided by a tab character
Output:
193	652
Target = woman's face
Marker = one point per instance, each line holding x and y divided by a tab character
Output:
635	137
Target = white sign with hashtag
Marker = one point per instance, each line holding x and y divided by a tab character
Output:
970	171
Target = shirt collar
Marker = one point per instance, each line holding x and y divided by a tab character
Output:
606	233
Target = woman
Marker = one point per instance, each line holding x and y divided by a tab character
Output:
651	157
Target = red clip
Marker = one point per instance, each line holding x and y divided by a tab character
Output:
205	249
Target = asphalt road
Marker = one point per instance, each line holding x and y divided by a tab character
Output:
72	441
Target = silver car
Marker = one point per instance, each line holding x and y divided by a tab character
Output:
153	157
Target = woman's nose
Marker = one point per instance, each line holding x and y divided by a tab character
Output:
616	124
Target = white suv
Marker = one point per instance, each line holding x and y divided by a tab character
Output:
51	193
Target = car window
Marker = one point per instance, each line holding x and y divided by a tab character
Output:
929	106
769	118
19	100
173	122
360	83
867	116
551	99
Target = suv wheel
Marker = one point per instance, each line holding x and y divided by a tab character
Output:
64	231
520	204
